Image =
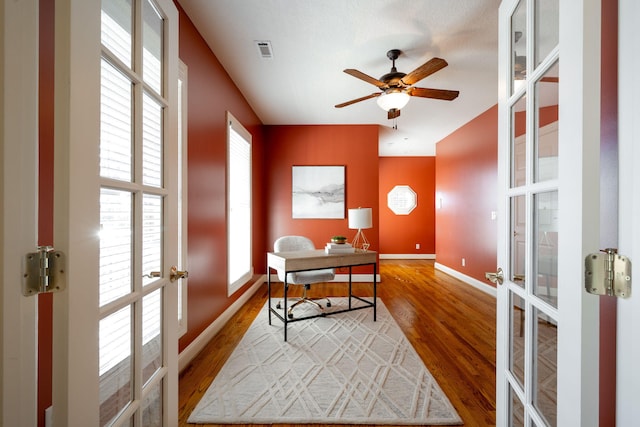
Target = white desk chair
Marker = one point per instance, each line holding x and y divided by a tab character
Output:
306	278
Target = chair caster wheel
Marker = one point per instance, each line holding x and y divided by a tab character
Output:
278	306
290	315
329	304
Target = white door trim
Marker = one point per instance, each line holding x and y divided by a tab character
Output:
628	345
76	211
579	166
18	232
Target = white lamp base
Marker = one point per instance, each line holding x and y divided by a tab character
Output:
360	242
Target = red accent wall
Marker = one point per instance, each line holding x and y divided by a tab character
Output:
211	93
400	233
355	147
466	183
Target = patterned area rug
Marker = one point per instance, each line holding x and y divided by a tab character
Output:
342	369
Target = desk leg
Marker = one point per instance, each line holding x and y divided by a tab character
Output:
269	291
374	292
350	288
284	303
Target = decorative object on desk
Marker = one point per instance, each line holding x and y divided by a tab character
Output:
360	219
339	239
339	248
356	371
317	192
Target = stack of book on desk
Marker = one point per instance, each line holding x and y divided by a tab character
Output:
339	248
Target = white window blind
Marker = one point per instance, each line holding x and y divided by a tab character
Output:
240	265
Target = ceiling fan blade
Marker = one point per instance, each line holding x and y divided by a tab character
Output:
353	101
393	113
426	69
362	76
446	95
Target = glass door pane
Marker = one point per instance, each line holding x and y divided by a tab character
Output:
545	359
516	414
152	34
547	28
546	247
519	46
116	244
546	146
518	245
517	338
116	364
518	142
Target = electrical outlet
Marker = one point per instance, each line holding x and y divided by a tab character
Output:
464	262
417	245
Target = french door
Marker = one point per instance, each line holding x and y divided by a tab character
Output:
115	213
547	341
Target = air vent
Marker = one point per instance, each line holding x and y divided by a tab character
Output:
264	48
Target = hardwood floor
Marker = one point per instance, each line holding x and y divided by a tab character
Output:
450	324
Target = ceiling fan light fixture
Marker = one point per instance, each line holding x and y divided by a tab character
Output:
393	99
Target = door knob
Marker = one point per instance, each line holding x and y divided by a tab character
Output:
177	274
496	277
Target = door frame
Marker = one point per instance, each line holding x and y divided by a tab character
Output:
18	232
579	133
628	320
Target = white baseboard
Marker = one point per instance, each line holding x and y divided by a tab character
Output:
407	256
191	351
341	278
484	287
355	278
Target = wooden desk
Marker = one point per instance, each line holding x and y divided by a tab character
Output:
316	260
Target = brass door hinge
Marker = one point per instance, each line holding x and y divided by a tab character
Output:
43	271
607	273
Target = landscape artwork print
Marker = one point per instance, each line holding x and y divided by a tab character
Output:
318	192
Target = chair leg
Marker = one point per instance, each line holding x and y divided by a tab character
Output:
305	299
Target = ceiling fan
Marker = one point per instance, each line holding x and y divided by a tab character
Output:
396	88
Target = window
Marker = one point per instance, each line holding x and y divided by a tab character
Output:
239	262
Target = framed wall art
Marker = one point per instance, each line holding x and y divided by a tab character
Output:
318	192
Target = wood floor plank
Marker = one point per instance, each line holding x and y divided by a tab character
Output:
451	325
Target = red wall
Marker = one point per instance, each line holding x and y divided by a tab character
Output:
608	203
466	182
45	196
355	147
400	233
210	94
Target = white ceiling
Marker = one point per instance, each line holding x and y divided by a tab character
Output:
314	41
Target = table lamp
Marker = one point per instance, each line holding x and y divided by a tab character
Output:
360	219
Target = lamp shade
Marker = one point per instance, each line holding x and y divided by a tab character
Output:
360	218
395	99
